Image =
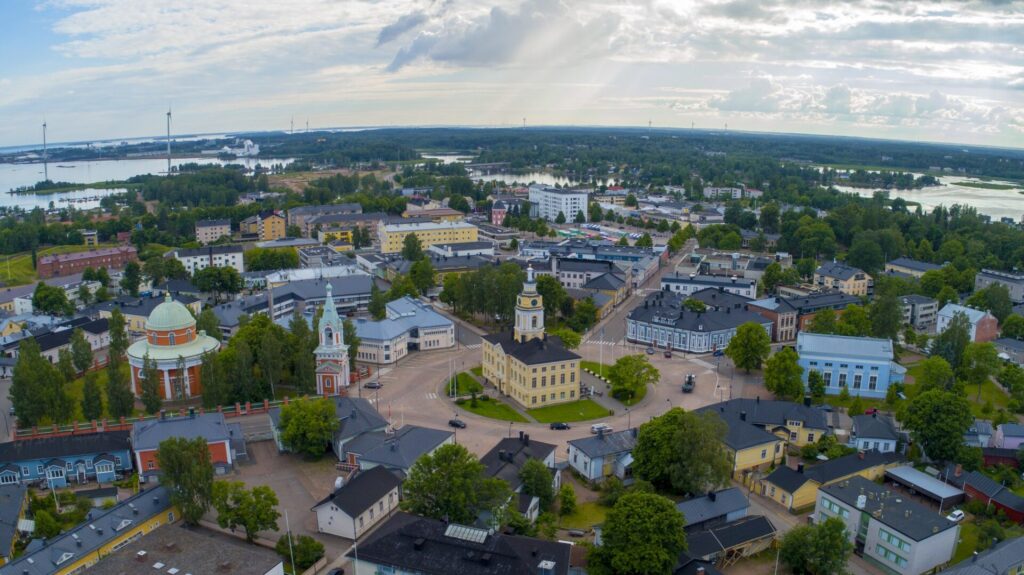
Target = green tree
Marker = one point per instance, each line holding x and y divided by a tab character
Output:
580	217
308	425
151	382
219	280
560	218
630	374
946	295
823	321
307	551
81	351
866	254
935	373
412	248
631	200
118	335
886	315
216	390
1013	327
820	549
187	472
270	357
537	481
995	299
980	363
566	499
584	315
682	451
37	387
937	420
450	484
131	279
646	241
261	259
422	274
783	375
66	365
378	305
120	398
854	321
816	384
51	300
253	510
623	241
352	340
92	398
47	526
951	342
208	322
749	347
402	286
552	293
642	535
570	339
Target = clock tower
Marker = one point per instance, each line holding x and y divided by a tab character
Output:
529	311
332	369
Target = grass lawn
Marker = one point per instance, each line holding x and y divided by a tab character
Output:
586	516
494	409
990	392
17	269
987	185
478	371
581	410
968	541
596	367
465	384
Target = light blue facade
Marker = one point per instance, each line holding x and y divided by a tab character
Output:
863	365
67	460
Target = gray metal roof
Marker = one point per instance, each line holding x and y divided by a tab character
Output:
517	450
874	427
149	433
665	308
790	479
398	450
996	560
363	491
837	270
67	446
533	352
12	499
100	528
912	264
923	482
724	502
844	346
603	444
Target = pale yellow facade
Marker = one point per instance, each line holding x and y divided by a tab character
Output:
538	383
392	236
856	285
272	228
759	457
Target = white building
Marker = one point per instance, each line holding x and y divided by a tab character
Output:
209	231
210	256
727	193
357	506
549	202
688	284
410	325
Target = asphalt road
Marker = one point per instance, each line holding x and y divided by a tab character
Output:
7	429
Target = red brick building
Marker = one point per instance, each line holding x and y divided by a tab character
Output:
67	264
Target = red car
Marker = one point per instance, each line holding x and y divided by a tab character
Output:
871	411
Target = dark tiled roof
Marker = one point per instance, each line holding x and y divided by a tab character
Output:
355	415
420	545
891	508
772	412
65	446
608	281
400	449
790	480
519	451
718	298
687	565
666	308
996	560
363	491
701	509
729	535
534	351
874	427
210	426
12	499
211	223
837	270
55	339
814	302
207	251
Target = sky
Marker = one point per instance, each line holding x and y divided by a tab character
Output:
948	71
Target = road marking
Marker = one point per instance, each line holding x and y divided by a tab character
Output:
474	346
703	363
431	395
601	342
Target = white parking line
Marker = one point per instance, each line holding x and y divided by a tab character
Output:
474	346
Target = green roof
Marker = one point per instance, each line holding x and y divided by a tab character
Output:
170	315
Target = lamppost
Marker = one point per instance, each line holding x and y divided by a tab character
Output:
510	429
629	419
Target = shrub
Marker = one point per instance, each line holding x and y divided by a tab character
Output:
306	549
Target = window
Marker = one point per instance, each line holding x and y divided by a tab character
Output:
810	438
828	378
773	491
360	522
151	464
834	507
39	469
764	453
856	380
893	540
842	380
117	460
873	382
890	556
792	436
535	382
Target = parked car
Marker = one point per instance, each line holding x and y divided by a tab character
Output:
689	383
457	423
668	353
599	427
871	411
956	516
373	385
718	353
560	426
336	571
650	351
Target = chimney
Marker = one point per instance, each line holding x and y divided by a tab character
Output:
418	544
712	495
743	416
600	433
526	439
520	435
501	455
634	431
799	467
958	471
807	400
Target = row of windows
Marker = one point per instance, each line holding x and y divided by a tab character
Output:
844	365
543	380
834	507
890	556
893	540
101	467
858	380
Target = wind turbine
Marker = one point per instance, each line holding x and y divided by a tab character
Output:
46	169
168	140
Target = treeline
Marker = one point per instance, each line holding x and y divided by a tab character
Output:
213	186
882	179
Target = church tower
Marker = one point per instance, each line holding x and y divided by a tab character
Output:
332	370
529	310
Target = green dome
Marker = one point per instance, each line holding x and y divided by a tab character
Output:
170	315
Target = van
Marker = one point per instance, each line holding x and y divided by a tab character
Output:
599	427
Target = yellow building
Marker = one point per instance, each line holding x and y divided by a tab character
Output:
90	238
525	364
760	431
329	235
797	489
267	226
847	279
136	311
393	235
107	531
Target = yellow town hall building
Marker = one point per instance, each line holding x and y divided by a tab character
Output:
525	364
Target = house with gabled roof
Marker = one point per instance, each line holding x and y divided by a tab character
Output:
877	432
356	417
796	488
224	440
66	459
714	508
604	454
506	460
359	504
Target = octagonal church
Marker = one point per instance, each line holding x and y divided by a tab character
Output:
173	342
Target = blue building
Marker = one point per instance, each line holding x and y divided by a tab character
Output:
863	365
64	460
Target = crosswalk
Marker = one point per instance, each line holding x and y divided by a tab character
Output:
601	342
703	363
431	395
474	346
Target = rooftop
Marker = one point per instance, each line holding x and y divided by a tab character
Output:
714	504
996	560
844	346
837	270
809	303
973	315
12	500
212	223
181	549
666	308
891	508
790	479
398	449
912	264
204	251
431	547
603	444
874	427
72	257
759	414
532	352
507	458
356	416
149	433
64	446
709	280
729	535
363	491
922	482
403	316
395	226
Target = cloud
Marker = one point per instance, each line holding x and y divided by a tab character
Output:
837	100
404	24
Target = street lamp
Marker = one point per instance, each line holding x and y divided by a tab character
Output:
510	429
629	419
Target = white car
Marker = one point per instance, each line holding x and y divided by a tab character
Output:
956	516
599	427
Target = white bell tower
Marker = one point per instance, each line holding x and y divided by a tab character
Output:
529	310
